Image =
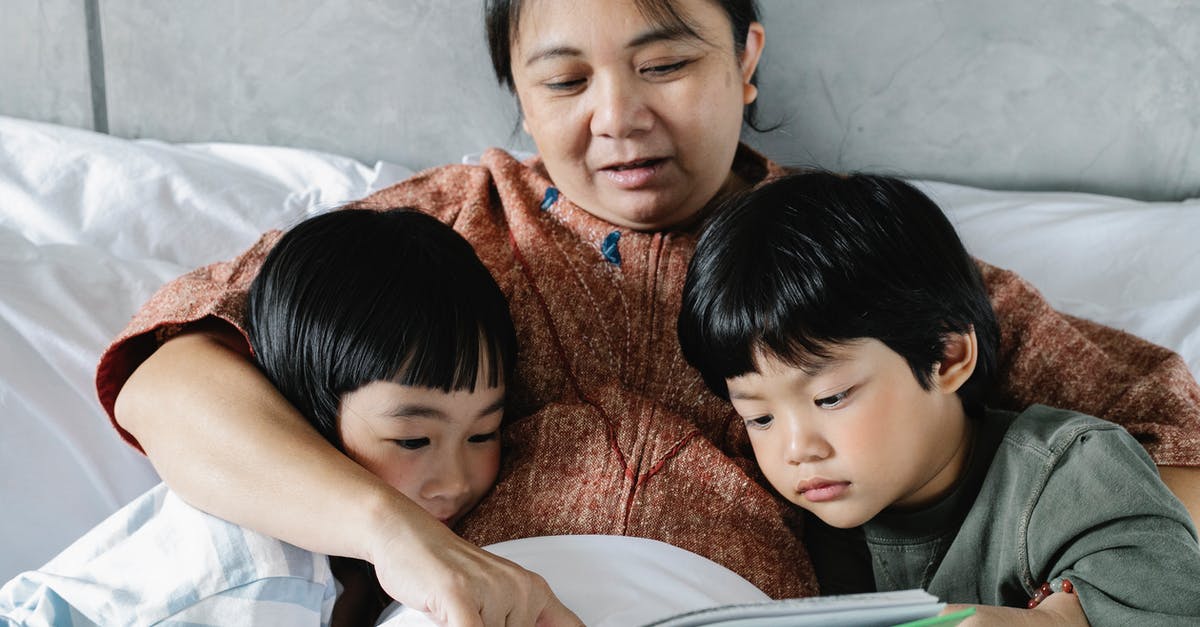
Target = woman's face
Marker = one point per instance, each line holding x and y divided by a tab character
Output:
440	449
636	123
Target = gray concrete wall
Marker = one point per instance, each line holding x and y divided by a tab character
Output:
1094	95
44	61
375	79
1097	95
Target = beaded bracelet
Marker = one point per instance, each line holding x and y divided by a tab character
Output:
1061	584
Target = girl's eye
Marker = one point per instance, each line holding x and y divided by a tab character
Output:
829	402
761	422
667	68
412	444
483	437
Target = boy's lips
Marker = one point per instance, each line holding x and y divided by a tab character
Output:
819	490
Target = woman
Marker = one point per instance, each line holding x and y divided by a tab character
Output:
636	109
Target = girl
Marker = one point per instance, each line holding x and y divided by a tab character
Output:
386	332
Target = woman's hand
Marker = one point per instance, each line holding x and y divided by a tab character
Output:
429	568
1059	608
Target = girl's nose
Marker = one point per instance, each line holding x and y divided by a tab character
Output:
619	109
448	480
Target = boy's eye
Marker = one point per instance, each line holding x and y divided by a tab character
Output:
761	422
483	437
829	402
412	444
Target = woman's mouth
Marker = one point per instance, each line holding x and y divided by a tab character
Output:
633	165
634	174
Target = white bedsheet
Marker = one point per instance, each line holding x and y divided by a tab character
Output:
91	225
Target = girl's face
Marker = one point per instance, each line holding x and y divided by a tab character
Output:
855	436
636	123
442	450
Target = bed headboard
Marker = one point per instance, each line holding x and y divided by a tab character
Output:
1073	95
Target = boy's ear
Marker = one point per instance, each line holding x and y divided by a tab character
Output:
958	362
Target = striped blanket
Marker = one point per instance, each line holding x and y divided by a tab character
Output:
159	561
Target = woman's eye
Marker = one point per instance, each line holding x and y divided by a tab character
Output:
761	422
829	402
565	85
484	437
666	68
412	444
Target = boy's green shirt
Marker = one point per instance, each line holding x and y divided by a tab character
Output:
1047	493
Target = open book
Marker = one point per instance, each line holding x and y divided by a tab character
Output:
617	581
911	608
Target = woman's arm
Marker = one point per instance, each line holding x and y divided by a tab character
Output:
1057	609
222	437
1184	483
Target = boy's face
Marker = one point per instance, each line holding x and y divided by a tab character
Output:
856	435
442	450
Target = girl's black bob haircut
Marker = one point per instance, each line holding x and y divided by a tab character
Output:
502	19
814	260
356	295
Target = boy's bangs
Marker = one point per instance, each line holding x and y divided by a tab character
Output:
736	334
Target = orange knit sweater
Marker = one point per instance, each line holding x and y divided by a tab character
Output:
609	430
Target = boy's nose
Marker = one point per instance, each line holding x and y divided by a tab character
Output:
806	444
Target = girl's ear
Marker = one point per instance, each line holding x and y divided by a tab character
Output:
958	362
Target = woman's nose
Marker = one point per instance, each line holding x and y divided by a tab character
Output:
619	108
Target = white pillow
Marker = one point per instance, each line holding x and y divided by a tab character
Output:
189	204
90	226
1128	264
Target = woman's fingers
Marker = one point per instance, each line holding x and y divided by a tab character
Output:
555	614
540	608
457	584
523	599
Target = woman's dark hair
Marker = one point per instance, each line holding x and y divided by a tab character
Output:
810	261
356	296
502	20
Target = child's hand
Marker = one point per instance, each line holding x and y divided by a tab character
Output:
1057	609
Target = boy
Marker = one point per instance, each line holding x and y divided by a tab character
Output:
386	331
849	328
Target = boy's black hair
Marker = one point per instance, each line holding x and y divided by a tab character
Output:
813	260
356	295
